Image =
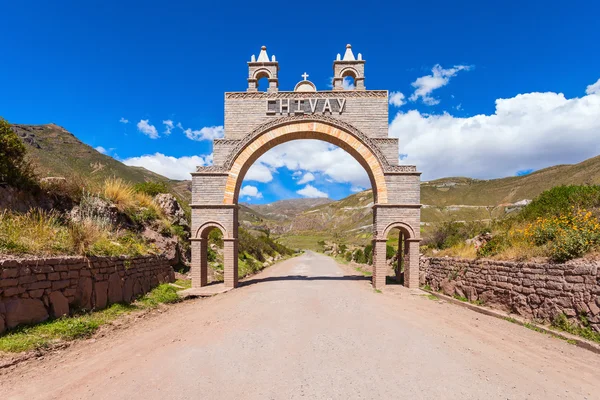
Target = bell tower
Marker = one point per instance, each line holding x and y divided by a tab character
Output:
349	66
263	68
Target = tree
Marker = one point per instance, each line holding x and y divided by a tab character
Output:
14	167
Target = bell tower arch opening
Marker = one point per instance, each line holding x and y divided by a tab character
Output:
355	120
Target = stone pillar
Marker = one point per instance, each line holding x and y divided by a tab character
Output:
230	262
379	264
411	268
199	262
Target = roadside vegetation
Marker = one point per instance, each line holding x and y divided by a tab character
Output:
255	251
560	224
84	325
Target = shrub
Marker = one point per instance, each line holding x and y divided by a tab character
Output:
14	167
348	256
151	188
496	245
119	192
568	236
359	256
561	200
390	252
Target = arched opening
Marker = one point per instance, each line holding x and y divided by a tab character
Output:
207	249
262	141
290	191
349	79
262	80
398	237
347	139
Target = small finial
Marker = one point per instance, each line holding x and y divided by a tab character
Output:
263	56
273	58
253	58
348	55
339	57
305	75
359	56
348	46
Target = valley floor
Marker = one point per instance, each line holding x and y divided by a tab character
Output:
310	328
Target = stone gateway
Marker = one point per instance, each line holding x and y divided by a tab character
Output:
354	119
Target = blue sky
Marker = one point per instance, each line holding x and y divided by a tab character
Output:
88	65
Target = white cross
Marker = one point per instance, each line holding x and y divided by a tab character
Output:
304	75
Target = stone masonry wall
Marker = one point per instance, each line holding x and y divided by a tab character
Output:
33	290
533	290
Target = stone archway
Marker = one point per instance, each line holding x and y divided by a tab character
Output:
354	120
319	128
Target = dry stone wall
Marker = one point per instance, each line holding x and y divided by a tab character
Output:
33	290
533	290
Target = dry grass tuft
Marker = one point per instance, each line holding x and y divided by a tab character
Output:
119	192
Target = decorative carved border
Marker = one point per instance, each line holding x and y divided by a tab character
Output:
249	138
401	168
384	140
307	95
212	169
226	141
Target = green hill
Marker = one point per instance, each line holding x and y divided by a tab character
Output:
54	151
447	199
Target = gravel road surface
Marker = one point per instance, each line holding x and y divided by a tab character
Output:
309	328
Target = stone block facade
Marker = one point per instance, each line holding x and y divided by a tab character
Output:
33	290
538	291
355	120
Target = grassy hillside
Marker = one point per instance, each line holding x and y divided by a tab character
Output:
495	192
54	151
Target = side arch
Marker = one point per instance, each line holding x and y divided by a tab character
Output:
262	73
285	130
401	225
204	229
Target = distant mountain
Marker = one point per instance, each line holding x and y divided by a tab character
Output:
56	152
447	199
286	209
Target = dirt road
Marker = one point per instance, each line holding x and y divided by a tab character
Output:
305	328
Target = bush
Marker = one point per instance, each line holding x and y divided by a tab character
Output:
14	167
496	245
359	256
151	188
567	236
561	200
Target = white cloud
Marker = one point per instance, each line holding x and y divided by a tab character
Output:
594	88
171	167
101	150
308	177
168	126
124	121
206	133
528	131
397	99
439	77
147	129
317	157
250	191
259	172
311	191
348	83
356	189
